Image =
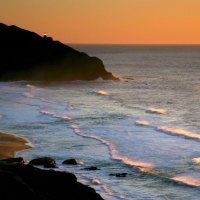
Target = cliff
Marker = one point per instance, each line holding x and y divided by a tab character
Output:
26	55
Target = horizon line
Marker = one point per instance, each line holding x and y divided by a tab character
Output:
139	44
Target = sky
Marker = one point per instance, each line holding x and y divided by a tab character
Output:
107	21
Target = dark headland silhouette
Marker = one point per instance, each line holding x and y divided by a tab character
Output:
26	55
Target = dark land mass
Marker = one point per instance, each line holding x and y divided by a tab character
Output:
23	181
26	55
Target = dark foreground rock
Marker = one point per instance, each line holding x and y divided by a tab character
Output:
46	162
26	55
25	182
70	162
18	160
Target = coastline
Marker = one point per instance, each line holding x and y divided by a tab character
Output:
11	143
28	182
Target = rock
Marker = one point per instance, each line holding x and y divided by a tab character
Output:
26	55
18	160
91	168
47	162
119	174
28	182
70	162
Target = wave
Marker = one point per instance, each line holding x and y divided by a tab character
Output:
178	131
96	181
196	160
142	123
160	111
171	130
102	187
178	179
55	114
187	180
102	92
114	153
150	171
144	167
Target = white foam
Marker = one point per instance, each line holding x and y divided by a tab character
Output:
55	114
178	131
196	160
115	154
102	92
161	111
187	180
142	122
96	181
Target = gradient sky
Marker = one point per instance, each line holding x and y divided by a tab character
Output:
108	21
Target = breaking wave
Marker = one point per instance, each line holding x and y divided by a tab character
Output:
196	160
187	180
142	123
114	152
102	92
96	181
171	130
178	131
160	111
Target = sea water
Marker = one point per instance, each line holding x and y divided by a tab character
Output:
147	125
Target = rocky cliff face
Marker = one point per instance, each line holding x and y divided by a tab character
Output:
27	56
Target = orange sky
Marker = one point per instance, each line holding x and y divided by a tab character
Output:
108	21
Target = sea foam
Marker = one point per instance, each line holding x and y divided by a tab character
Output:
161	111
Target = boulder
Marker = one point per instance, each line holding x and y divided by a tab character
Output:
47	162
70	162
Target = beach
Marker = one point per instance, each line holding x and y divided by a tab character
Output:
10	143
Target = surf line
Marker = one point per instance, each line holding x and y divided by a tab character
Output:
113	150
143	167
169	130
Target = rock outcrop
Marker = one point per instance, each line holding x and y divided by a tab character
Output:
26	55
20	181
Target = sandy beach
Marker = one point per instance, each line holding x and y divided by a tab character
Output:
10	143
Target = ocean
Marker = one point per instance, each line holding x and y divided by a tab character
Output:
142	132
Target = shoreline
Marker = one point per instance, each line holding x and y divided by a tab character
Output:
10	144
28	182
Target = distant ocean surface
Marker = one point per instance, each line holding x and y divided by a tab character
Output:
146	125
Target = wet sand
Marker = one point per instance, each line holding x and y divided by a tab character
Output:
10	143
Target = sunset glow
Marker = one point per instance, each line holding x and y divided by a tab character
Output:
113	21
